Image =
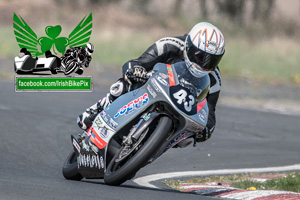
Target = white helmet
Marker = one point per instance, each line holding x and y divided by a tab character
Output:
89	48
204	48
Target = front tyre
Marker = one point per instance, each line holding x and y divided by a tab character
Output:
119	172
70	170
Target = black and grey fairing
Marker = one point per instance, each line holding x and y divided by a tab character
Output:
171	91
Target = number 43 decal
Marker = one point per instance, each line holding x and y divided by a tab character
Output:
181	97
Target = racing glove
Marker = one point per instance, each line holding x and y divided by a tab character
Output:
203	136
136	74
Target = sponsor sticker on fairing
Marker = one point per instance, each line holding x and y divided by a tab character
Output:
162	81
164	75
103	132
76	145
91	161
100	132
179	138
154	84
204	112
151	91
196	126
202	117
93	147
133	105
96	139
98	123
147	117
108	120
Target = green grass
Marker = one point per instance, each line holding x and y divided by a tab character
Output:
116	49
275	60
289	183
175	184
8	45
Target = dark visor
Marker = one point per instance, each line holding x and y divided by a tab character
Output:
90	50
206	61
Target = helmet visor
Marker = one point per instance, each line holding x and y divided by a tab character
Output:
89	48
204	60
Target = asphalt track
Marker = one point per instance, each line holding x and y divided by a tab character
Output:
35	140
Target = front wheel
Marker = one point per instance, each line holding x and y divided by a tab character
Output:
118	172
70	170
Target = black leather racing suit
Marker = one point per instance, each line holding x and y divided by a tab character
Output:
169	50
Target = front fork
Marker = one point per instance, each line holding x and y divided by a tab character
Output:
140	127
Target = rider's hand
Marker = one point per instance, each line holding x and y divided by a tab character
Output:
136	74
204	135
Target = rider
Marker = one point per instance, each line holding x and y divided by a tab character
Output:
201	49
75	58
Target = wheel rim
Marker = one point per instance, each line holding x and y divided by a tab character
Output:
118	160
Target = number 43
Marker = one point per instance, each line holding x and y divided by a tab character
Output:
181	98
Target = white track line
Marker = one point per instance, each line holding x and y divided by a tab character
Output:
248	195
146	180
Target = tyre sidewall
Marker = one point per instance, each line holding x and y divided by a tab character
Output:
148	150
70	170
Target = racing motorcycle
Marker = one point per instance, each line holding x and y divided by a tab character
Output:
139	126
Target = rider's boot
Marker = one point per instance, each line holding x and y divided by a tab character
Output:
85	120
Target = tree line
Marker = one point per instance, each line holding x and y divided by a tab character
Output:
233	9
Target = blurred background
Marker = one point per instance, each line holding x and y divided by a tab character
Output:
262	37
260	70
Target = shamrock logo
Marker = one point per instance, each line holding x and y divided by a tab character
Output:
27	38
58	43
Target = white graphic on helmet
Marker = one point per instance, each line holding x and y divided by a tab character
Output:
204	48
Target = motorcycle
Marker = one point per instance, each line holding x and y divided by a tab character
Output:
138	127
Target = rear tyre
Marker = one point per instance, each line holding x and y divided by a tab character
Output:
70	170
119	172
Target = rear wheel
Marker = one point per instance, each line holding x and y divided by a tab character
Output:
127	162
70	170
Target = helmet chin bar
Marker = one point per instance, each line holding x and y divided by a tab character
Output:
197	72
193	67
